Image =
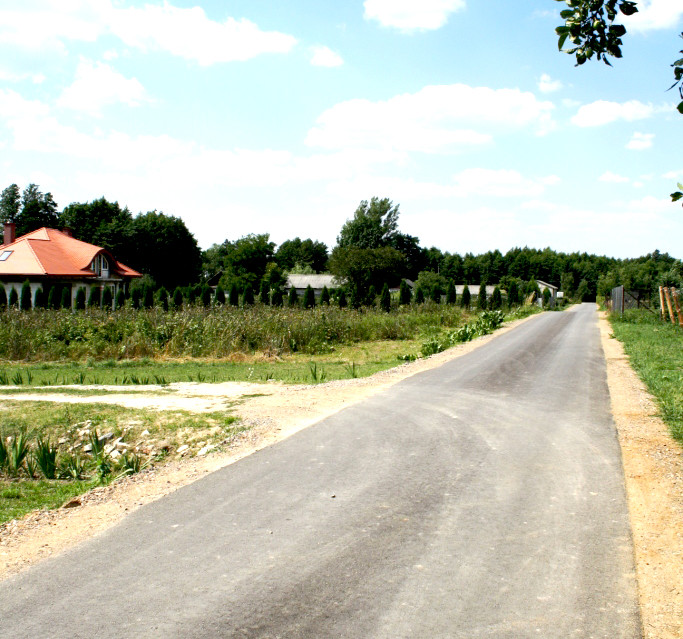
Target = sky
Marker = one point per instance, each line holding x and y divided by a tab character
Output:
263	116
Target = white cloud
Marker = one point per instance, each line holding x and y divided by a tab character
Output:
187	33
547	85
412	15
640	141
608	176
98	85
499	183
673	175
655	14
325	57
604	112
436	119
10	76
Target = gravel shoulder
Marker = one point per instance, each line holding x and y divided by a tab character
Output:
653	467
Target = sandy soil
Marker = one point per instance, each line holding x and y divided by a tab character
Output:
653	468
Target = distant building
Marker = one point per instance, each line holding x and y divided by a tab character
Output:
316	282
48	257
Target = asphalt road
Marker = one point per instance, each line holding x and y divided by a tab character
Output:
484	498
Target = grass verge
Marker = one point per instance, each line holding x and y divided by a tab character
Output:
655	350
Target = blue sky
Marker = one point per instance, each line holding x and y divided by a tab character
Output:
255	116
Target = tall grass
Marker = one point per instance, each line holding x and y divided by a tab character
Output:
48	335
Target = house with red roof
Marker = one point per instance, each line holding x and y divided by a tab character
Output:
48	257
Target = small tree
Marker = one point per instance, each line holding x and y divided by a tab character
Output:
25	297
39	300
325	297
248	296
372	295
435	294
107	300
65	301
94	297
80	298
3	298
419	295
466	298
385	298
53	298
292	298
178	298
136	297
513	294
147	296
450	293
277	297
162	298
404	293
205	295
309	297
234	296
219	297
342	299
481	297
190	295
13	298
496	299
264	293
120	298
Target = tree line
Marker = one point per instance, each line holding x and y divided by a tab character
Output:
370	252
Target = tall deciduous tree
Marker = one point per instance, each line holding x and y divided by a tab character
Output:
374	225
10	204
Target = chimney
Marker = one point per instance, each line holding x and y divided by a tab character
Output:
68	231
10	228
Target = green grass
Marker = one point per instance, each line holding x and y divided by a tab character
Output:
151	435
655	350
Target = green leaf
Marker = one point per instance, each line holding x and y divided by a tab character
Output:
562	40
680	107
628	8
676	196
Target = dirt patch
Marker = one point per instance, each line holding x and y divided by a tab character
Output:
653	467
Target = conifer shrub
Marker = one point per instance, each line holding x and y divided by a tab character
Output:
404	293
120	298
248	296
481	297
496	299
147	296
65	299
342	299
136	297
219	297
162	298
292	298
53	298
450	293
546	296
277	297
205	295
39	300
264	293
3	298
94	297
80	298
435	294
466	298
325	297
309	297
107	299
191	296
13	298
419	295
513	294
234	296
25	296
178	298
385	299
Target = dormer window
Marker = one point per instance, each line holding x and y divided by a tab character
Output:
4	255
100	266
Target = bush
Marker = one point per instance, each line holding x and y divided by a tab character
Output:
435	294
466	298
264	293
325	297
162	298
178	298
94	297
3	298
219	297
39	300
496	299
80	298
385	299
234	296
25	296
120	298
309	297
342	299
292	298
136	296
248	296
107	300
65	301
277	297
481	297
404	293
419	295
147	296
53	298
546	297
450	293
13	297
513	294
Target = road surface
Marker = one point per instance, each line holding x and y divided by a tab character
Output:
484	498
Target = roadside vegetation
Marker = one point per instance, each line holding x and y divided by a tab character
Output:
655	350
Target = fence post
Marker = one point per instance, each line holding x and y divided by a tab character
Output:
678	307
661	302
669	305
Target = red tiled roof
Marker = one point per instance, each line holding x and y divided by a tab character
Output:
52	252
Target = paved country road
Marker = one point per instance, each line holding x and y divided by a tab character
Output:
484	498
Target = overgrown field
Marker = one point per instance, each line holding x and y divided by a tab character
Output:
655	349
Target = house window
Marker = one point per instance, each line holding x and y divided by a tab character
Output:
4	255
100	266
